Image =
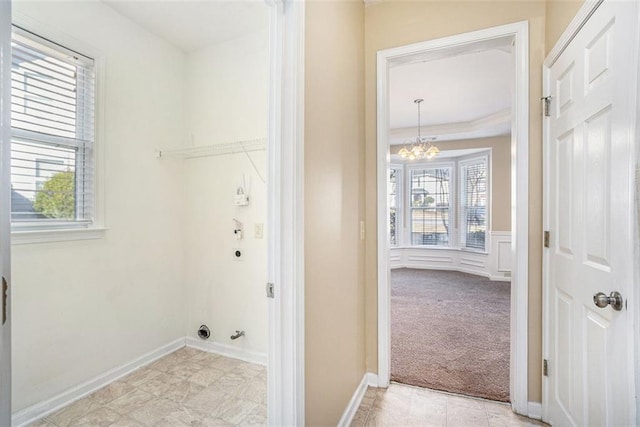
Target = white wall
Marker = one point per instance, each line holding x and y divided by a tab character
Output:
227	94
83	307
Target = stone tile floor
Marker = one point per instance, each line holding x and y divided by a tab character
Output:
195	388
402	405
185	388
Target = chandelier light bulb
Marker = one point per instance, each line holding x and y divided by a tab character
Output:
420	148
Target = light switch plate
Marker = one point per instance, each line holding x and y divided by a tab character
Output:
259	230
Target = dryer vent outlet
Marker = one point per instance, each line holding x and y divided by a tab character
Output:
204	332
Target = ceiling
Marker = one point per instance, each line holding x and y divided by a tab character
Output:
466	90
465	96
190	25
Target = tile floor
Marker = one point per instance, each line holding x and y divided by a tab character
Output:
195	388
185	388
402	405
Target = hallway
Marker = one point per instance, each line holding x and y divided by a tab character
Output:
402	405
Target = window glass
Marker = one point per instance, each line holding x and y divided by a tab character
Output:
52	124
430	206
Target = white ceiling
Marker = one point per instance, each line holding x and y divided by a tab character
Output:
465	96
191	25
466	90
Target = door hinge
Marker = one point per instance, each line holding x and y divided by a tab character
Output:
270	293
545	367
5	289
546	239
546	106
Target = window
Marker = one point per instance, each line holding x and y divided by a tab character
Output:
52	125
473	203
394	203
430	206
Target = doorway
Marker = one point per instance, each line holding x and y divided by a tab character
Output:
518	144
284	379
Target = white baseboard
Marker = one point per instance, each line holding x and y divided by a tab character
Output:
485	274
354	403
227	350
42	409
534	410
372	379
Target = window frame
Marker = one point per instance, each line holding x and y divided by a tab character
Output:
400	207
409	168
461	226
71	230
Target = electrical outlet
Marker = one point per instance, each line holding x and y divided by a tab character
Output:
259	230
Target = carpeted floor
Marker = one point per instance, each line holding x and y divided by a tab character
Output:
450	331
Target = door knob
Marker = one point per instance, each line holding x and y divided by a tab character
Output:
614	300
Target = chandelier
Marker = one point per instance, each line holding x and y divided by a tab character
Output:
419	148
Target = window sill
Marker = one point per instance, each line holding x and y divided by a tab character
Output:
25	237
441	248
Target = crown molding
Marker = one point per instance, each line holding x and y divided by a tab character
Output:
498	123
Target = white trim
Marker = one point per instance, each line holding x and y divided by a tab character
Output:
494	264
53	235
45	30
5	201
534	410
520	194
495	124
372	379
285	216
42	409
354	403
546	70
578	21
227	350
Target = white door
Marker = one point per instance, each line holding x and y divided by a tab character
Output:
5	197
591	159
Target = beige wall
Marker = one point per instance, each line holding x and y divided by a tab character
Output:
334	201
396	23
558	15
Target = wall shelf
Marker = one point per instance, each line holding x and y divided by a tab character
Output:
258	144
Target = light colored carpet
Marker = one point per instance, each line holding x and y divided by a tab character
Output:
450	331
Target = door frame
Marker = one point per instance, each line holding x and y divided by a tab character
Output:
285	215
5	203
519	196
576	24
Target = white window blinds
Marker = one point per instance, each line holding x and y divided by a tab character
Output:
473	204
52	121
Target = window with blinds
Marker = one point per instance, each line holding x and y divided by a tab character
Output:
429	206
395	180
473	203
52	125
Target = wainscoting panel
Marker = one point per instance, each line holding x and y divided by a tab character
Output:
495	264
